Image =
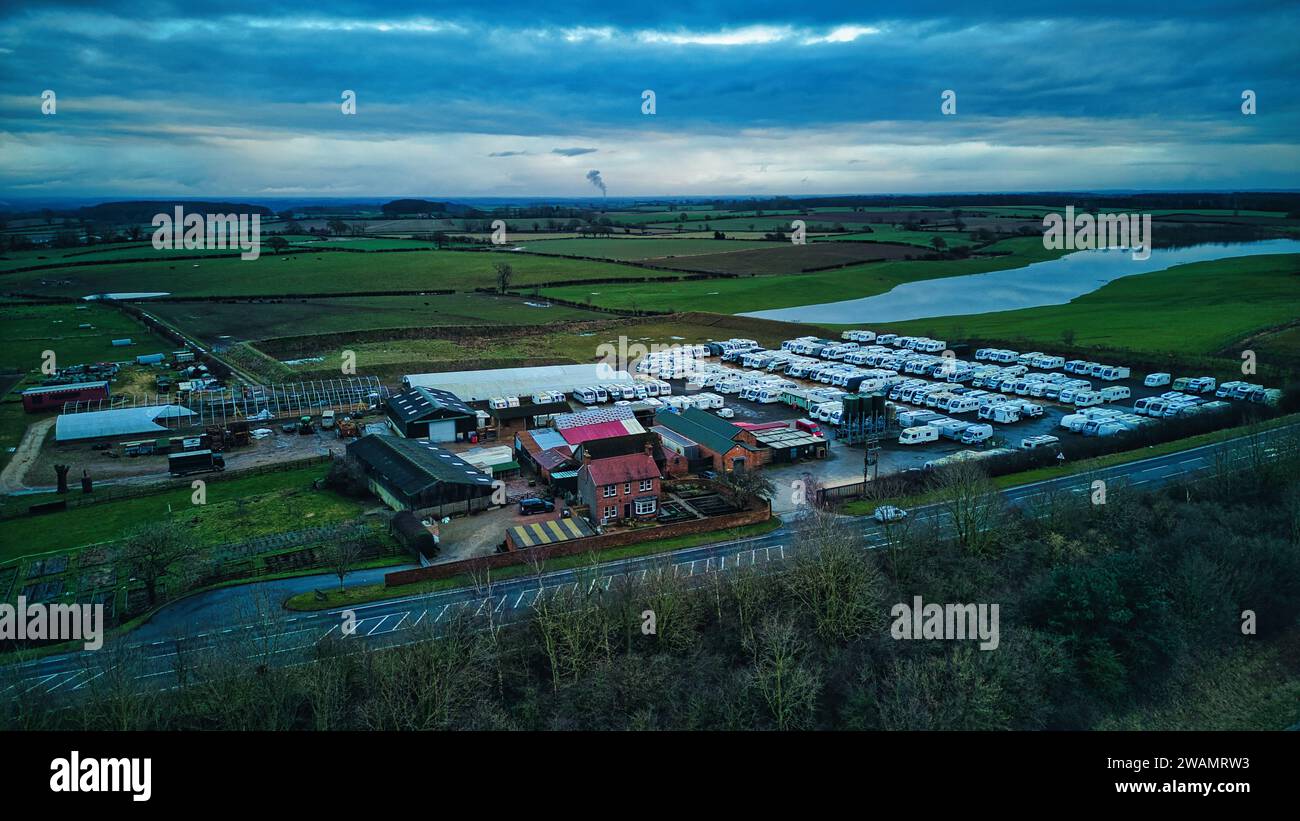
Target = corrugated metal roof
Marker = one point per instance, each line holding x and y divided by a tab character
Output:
71	386
602	430
547	438
476	386
413	465
427	403
120	422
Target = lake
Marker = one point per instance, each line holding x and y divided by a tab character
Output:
1053	282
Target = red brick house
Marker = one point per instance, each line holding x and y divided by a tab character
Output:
620	487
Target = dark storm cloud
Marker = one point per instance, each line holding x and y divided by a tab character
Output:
152	91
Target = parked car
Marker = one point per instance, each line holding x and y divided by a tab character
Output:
726	413
535	505
888	513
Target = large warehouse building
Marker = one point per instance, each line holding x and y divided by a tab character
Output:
430	414
480	386
408	474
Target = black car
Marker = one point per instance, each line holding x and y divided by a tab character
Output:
535	505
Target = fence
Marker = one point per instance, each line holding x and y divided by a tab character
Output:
118	493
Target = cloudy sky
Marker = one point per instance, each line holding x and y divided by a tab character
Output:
526	98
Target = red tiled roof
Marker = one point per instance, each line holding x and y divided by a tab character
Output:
616	469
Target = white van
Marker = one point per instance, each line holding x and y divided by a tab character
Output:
976	434
918	435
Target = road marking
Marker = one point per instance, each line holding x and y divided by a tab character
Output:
441	612
381	621
416	623
92	678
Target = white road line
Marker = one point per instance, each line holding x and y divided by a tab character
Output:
441	612
327	633
416	623
398	626
42	680
64	681
92	678
497	609
381	621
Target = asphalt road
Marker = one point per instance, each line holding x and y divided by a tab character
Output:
249	620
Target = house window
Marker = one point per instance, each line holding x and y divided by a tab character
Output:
644	506
611	490
627	487
611	512
647	485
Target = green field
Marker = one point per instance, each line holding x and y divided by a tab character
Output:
395	356
1198	308
888	233
308	273
638	248
217	322
29	330
236	509
745	294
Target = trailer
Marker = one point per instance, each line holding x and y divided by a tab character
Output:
918	435
195	461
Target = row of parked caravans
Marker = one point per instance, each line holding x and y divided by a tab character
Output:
913	343
1175	403
500	402
677	362
1102	422
1035	359
626	391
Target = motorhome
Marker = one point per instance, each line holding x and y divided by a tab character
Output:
1156	380
1114	393
918	435
586	396
1202	384
1049	363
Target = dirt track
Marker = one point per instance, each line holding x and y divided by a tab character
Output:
28	451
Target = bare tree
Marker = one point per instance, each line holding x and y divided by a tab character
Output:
787	684
150	549
973	505
342	553
504	273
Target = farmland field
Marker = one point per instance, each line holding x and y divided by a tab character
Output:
31	329
787	258
761	293
888	233
637	248
237	508
309	273
1198	308
551	344
221	322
